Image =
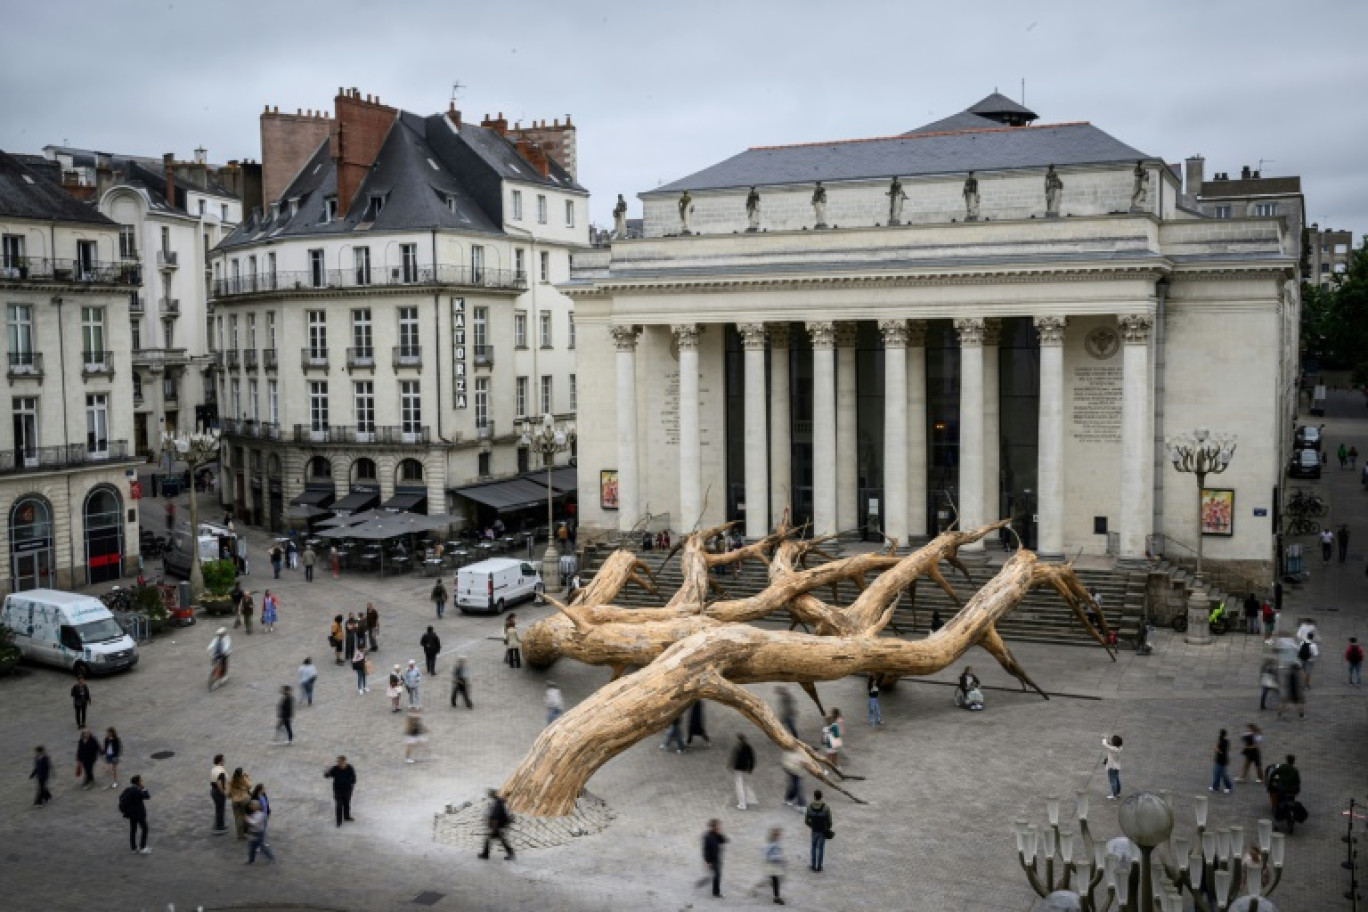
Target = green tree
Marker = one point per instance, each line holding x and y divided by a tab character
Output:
1335	319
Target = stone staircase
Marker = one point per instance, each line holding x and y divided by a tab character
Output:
1042	616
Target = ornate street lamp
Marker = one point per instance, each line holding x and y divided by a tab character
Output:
547	440
196	451
1070	876
1200	453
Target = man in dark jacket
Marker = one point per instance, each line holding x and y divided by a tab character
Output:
87	752
713	840
344	782
431	645
285	714
496	819
742	765
818	820
1284	784
132	804
42	771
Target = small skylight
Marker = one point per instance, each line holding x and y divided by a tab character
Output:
316	167
434	165
28	179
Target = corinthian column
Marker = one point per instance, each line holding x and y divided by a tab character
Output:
971	507
992	423
823	427
1136	446
781	434
629	502
847	421
757	456
894	520
690	444
1050	461
916	428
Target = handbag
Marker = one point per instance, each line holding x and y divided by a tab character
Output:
370	668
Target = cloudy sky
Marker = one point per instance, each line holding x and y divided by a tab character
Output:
660	90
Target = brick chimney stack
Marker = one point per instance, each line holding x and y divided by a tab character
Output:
287	142
361	128
497	124
534	155
454	114
555	140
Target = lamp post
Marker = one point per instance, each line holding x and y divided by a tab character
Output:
197	451
1137	877
1200	453
547	440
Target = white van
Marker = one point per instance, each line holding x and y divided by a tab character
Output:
68	630
214	541
492	585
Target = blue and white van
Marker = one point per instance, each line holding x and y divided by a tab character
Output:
68	630
492	585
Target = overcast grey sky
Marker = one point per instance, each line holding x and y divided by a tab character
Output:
660	90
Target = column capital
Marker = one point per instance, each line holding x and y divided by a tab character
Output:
1135	328
1050	330
752	335
624	337
916	333
992	331
686	335
823	334
778	334
845	335
971	330
894	333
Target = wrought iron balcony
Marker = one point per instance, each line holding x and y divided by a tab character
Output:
157	358
168	259
269	358
381	435
361	357
42	270
97	363
408	356
232	358
135	303
249	358
313	280
25	365
314	358
170	307
30	459
484	355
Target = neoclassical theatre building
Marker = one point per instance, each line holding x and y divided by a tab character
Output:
983	317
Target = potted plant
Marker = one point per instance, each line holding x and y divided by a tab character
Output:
218	582
147	600
9	653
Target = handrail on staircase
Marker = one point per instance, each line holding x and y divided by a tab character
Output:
1214	569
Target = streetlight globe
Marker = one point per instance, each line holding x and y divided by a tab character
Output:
559	439
182	446
1146	818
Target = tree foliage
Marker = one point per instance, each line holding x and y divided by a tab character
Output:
1335	319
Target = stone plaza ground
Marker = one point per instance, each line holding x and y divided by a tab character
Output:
942	785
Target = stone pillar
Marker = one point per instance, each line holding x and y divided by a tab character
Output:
992	431
1136	446
781	432
1050	452
970	505
690	443
629	479
847	422
895	503
756	435
916	428
823	427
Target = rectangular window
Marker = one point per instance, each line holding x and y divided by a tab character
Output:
318	335
253	407
128	242
408	332
574	394
481	402
251	331
569	213
1265	210
165	239
330	209
517	205
476	264
520	264
520	397
235	397
273	402
135	326
410	409
201	207
97	424
546	394
484	465
408	263
271	270
233	331
92	335
223	211
541	209
270	329
520	330
364	404
86	259
361	260
361	334
317	274
318	408
12	252
20	319
1222	212
545	266
26	429
219	324
479	329
545	318
570	340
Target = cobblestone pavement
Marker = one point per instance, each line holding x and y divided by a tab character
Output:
943	785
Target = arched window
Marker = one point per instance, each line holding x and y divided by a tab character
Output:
103	535
410	471
364	472
319	469
32	564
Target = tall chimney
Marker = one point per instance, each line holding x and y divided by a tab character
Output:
169	165
1193	175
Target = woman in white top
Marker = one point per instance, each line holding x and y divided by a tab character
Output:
1113	764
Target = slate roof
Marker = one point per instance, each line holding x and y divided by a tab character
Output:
1257	186
961	121
913	154
25	193
997	103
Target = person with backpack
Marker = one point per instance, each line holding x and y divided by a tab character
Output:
1284	784
431	644
818	820
439	598
460	684
1353	658
133	806
742	765
497	820
1307	653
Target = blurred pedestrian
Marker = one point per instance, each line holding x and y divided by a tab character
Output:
334	561
555	702
256	831
1220	777
113	748
1252	751
674	735
742	765
1342	537
308	674
264	802
1307	653
239	793
788	711
87	752
832	740
1268	681
775	863
1353	659
1327	543
415	734
285	714
42	771
496	821
792	762
713	841
697	729
80	700
460	684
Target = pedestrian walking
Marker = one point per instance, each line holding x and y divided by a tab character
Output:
395	688
239	793
42	771
775	863
269	612
675	735
1112	762
359	663
1294	691
1251	613
818	820
832	742
1343	454
362	628
256	832
1251	750
460	684
242	555
218	793
1342	537
350	628
1270	621
1283	784
334	561
80	700
496	821
1268	682
742	765
336	636
246	608
431	645
697	729
415	734
113	748
1220	777
1307	653
413	682
1353	660
872	688
310	558
512	643
343	776
264	802
555	702
1353	457
788	711
292	553
936	622
133	806
1327	540
713	841
308	675
277	559
87	752
439	598
373	627
285	714
792	762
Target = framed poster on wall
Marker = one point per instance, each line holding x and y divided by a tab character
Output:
608	489
1218	511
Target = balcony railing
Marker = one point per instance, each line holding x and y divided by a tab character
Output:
408	356
269	430
170	306
158	357
135	303
383	435
314	357
61	457
25	364
360	357
232	358
97	363
306	280
269	359
484	355
249	358
44	270
484	431
168	259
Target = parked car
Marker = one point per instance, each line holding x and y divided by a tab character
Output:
1309	437
492	585
1305	464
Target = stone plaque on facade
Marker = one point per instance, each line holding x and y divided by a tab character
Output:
1096	413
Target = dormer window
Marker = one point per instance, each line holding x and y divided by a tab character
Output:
451	203
373	207
330	209
294	206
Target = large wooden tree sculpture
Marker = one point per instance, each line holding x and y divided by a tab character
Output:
694	649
